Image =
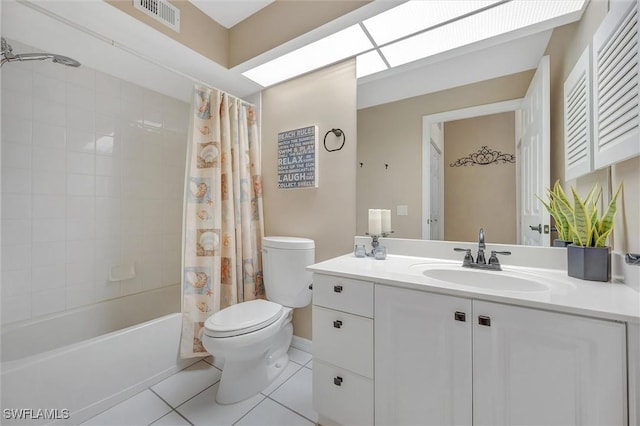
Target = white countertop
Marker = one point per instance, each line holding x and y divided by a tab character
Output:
611	301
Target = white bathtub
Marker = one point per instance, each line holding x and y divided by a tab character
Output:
83	378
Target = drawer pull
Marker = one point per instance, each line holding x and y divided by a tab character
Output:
337	381
484	320
337	324
460	316
337	288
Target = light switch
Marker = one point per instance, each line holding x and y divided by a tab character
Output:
402	210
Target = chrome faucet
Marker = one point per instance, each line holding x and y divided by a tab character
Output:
480	262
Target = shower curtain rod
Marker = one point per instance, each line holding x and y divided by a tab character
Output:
123	47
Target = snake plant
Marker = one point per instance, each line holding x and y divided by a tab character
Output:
579	221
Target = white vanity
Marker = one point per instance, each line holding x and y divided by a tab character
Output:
420	340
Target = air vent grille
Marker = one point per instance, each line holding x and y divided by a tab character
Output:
618	82
161	10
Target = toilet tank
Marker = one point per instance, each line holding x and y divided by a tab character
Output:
284	262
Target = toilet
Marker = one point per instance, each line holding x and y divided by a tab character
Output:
254	337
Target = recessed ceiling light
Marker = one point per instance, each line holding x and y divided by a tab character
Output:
414	16
369	63
498	20
341	45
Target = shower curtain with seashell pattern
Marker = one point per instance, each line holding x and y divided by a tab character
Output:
223	219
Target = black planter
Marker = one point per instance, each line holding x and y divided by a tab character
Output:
561	243
589	263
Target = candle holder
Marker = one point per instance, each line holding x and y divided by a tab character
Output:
375	243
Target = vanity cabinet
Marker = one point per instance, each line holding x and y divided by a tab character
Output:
448	360
343	349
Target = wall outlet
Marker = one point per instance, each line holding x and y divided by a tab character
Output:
402	210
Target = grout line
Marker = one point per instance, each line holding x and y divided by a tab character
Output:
291	409
252	408
288	378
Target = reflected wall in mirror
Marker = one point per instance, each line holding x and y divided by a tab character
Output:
392	134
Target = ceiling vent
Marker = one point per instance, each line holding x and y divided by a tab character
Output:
162	11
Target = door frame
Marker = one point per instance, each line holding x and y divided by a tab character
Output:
458	114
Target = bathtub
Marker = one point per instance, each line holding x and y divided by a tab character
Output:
53	371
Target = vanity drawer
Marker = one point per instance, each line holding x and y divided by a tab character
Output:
343	339
344	397
343	294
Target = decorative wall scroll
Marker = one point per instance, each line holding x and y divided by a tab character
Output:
297	158
483	157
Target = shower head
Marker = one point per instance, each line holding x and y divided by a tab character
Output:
9	56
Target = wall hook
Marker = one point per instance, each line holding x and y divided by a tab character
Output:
337	133
386	166
361	164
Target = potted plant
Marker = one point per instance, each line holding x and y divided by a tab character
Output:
556	197
588	257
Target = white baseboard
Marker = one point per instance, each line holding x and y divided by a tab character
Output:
302	344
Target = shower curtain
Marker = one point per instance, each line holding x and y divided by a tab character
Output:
223	220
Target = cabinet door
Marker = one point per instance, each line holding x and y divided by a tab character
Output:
422	358
543	368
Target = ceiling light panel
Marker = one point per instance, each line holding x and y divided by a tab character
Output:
343	44
414	16
501	19
369	63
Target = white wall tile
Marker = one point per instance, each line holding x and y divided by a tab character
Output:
50	183
16	282
80	252
16	155
79	140
81	229
105	290
80	208
48	253
82	76
17	79
79	295
48	277
16	130
15	231
15	309
107	165
107	83
107	209
52	89
83	185
81	163
80	274
49	160
108	103
80	118
80	96
16	257
48	302
50	69
49	206
106	125
16	104
107	145
48	135
16	206
108	229
16	181
48	230
108	186
49	112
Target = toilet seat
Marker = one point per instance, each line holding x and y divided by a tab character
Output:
242	318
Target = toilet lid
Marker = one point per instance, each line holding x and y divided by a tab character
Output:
242	318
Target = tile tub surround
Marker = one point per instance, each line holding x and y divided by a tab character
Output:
188	398
92	177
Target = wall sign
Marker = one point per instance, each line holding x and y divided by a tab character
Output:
298	158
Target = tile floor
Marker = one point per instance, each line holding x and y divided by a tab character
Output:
188	398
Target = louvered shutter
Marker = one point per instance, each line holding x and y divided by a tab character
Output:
577	119
615	64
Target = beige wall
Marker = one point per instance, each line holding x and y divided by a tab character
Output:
327	99
480	196
565	47
392	134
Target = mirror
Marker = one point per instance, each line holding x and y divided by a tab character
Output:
390	162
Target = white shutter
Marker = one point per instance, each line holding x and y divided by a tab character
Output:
616	112
577	123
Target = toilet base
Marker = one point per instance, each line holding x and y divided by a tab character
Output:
245	378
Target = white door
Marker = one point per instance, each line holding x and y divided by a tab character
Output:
422	358
541	368
534	159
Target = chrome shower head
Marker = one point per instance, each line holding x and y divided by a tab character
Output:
9	56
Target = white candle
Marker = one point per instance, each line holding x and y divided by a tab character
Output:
386	221
375	222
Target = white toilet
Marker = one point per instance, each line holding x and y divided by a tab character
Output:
253	337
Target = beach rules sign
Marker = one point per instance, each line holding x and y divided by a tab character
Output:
298	158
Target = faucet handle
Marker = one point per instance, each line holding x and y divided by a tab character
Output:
493	260
467	257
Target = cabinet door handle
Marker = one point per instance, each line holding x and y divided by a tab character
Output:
484	320
337	381
460	316
337	324
337	288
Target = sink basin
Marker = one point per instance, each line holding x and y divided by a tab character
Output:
491	280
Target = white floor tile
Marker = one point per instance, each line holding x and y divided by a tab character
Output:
204	410
270	413
141	409
171	419
296	393
309	364
289	371
184	384
298	356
